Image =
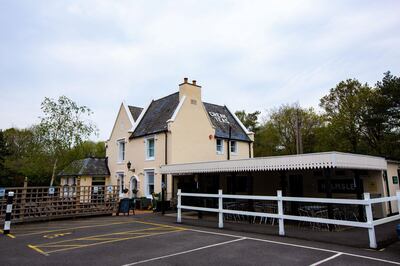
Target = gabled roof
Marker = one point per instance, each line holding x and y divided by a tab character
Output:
156	116
135	111
222	119
87	166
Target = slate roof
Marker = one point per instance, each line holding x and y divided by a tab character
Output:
159	111
135	111
87	166
222	119
156	116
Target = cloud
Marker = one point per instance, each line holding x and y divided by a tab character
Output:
250	55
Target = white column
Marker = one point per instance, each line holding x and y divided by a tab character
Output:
370	220
280	212
179	216
220	208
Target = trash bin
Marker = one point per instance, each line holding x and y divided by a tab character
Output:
398	231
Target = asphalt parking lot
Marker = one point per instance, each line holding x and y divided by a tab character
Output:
152	240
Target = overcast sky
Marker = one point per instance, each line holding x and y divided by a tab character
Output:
251	55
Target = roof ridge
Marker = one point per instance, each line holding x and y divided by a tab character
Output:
135	106
166	96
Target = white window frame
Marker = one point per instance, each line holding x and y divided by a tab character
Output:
146	180
235	152
222	146
146	148
121	183
119	151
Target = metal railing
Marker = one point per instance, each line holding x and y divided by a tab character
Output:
46	203
367	202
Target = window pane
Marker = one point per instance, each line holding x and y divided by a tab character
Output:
150	148
151	189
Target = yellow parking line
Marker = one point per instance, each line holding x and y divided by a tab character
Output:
109	234
38	250
79	227
160	225
111	241
9	235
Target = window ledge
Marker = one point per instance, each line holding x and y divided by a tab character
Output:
150	159
120	162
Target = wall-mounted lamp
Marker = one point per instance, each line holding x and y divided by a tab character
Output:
129	164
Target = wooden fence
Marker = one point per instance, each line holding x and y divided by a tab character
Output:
46	203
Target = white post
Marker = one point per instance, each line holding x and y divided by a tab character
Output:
370	221
398	200
179	216
280	212
220	208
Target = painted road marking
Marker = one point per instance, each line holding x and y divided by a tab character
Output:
56	235
73	228
186	251
9	235
82	242
327	259
296	245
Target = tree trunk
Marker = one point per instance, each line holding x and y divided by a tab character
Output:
53	176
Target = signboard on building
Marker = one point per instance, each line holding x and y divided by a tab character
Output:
395	179
95	189
338	186
2	192
110	189
51	190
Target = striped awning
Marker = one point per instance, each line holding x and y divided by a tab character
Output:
277	163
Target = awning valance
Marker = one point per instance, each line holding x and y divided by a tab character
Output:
277	163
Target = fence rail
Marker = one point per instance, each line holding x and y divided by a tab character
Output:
46	203
366	203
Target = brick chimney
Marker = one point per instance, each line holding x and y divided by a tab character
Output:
190	90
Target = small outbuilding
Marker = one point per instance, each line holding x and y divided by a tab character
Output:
85	172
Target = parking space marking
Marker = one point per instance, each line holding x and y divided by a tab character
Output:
73	228
82	242
185	252
9	235
296	245
327	259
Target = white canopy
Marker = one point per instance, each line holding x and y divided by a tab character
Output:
276	163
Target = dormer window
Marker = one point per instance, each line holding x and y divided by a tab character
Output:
121	150
219	146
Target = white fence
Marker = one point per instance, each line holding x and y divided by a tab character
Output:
281	216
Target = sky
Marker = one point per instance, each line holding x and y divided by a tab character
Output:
251	55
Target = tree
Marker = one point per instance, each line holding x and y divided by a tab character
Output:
63	127
249	120
3	154
344	108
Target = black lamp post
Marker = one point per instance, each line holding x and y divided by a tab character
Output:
129	164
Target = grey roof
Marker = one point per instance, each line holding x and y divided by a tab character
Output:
156	116
135	111
87	166
222	119
159	111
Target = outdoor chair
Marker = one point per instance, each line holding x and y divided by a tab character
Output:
321	214
304	213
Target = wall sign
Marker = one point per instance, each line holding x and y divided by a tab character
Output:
395	179
338	186
219	117
51	190
2	192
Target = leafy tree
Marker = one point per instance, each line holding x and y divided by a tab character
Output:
249	120
284	121
344	108
63	127
3	154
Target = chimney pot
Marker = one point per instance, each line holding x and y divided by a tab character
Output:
185	80
194	82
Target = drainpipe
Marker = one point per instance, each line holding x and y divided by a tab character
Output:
164	176
229	143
